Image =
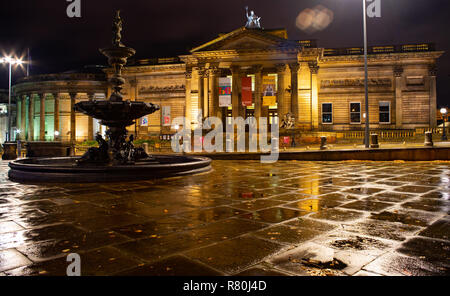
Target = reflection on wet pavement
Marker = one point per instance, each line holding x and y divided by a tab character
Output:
243	218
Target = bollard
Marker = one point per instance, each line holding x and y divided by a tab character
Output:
19	149
146	148
429	139
323	143
374	141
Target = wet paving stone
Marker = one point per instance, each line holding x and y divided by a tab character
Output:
214	214
287	234
172	266
43	250
11	258
431	205
311	224
9	226
313	205
101	262
390	197
337	215
408	217
363	190
365	205
234	255
290	197
257	204
437	195
432	251
385	230
393	264
274	215
439	229
309	259
157	227
108	222
414	189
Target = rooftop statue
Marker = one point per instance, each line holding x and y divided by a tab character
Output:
253	21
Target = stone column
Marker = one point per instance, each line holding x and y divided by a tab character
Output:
214	73
31	118
433	102
73	118
23	120
398	72
283	106
206	106
56	120
294	90
314	68
235	100
258	92
42	117
201	89
188	101
91	120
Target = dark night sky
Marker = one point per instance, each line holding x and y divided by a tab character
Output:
171	27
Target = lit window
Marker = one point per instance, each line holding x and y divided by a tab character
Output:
385	112
327	113
355	112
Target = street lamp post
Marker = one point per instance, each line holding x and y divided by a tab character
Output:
10	61
366	80
444	132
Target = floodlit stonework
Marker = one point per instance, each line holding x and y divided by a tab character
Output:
322	88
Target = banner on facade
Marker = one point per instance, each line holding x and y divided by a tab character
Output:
144	121
166	120
224	92
269	95
247	96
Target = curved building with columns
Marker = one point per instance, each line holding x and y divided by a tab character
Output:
322	88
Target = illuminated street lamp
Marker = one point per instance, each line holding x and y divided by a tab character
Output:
366	76
10	61
444	133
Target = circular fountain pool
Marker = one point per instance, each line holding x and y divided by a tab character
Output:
65	169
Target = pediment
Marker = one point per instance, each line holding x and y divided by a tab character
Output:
246	39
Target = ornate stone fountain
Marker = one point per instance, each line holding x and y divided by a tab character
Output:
116	158
115	113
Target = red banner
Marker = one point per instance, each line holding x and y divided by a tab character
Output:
247	97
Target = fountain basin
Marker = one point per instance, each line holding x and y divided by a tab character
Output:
65	169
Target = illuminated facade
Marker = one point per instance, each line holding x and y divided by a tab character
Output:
322	88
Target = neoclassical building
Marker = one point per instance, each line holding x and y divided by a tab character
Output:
322	88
